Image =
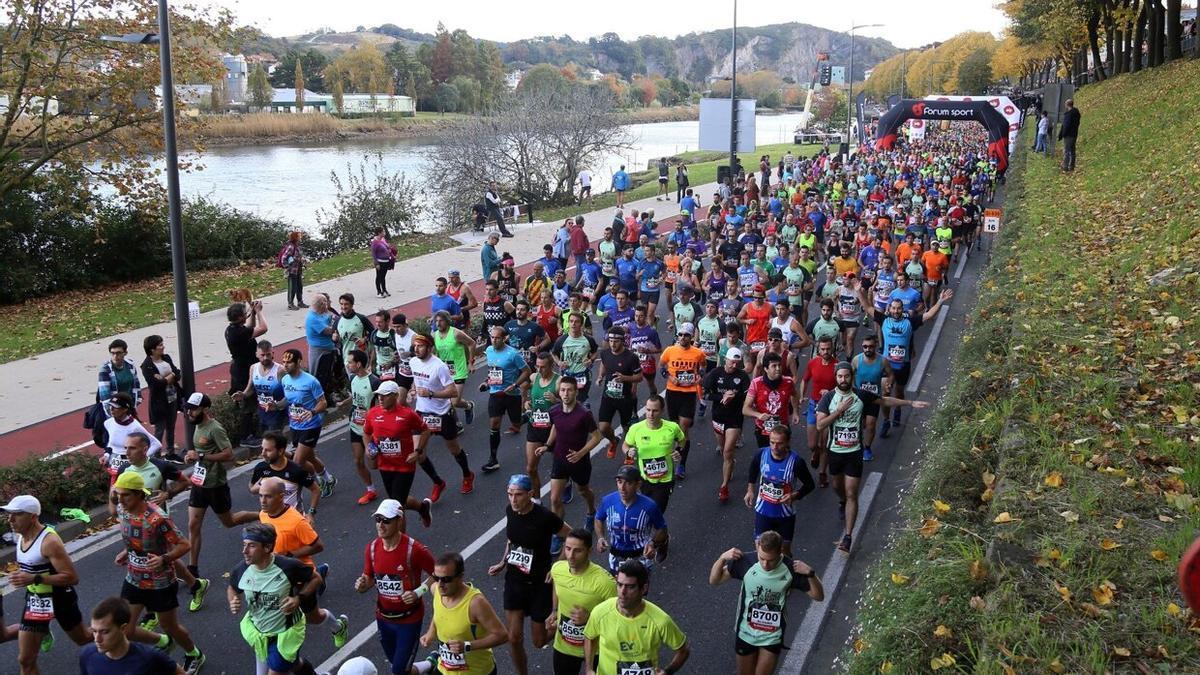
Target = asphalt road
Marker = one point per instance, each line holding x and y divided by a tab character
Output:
700	528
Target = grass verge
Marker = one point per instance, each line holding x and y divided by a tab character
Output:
1057	493
66	319
702	169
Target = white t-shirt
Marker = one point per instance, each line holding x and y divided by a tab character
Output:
431	374
585	178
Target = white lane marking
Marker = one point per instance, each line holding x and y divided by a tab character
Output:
831	578
962	263
914	384
471	549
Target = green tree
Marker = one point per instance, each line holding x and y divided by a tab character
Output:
447	97
469	93
339	103
218	96
312	61
544	77
259	88
975	73
441	63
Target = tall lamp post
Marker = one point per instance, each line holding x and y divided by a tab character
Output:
733	112
178	261
850	79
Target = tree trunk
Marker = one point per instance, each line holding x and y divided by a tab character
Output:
1174	30
1094	44
1139	36
1156	33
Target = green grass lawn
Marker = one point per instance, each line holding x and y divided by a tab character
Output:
702	169
66	319
1063	458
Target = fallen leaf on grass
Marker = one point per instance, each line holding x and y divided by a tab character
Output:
1173	609
885	667
989	479
1003	518
1109	544
977	603
941	506
1120	524
1053	479
930	527
946	660
1070	516
978	570
1056	666
943	632
899	579
1063	592
859	645
1120	651
1158	554
1103	594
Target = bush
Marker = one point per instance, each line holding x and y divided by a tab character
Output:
73	480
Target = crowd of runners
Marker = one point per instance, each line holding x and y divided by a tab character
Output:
786	306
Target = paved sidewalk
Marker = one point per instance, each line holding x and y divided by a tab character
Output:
43	397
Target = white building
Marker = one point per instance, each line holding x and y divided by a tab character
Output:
513	79
377	103
593	74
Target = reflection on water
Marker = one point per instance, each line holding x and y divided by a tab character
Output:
291	182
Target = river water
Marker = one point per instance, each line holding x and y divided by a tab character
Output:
291	182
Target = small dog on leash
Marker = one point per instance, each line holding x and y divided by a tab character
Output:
246	298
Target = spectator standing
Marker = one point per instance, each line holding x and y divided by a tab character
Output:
1068	133
489	258
578	243
1043	132
562	244
291	259
241	338
118	375
384	255
585	186
663	169
492	201
681	182
620	183
162	379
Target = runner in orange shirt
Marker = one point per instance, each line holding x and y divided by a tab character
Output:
685	364
936	265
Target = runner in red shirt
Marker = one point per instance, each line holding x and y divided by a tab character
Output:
388	431
772	401
819	377
756	317
394	564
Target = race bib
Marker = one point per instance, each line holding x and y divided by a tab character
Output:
709	347
897	353
265	401
757	346
655	469
765	619
389	588
614	388
495	377
581	380
41	607
608	268
404	367
774	493
871	387
434	422
450	367
358	416
520	558
138	563
685	378
845	437
769	423
117	463
672	277
449	660
199	473
298	413
719	428
652	284
572	632
588	292
540	419
634	668
389	446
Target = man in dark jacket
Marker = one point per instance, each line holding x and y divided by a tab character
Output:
1067	133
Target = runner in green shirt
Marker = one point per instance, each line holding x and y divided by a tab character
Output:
362	396
767	580
578	585
457	350
541	394
353	329
709	331
271	586
210	485
654	445
627	632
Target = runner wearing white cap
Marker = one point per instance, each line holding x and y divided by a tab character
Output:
48	577
388	430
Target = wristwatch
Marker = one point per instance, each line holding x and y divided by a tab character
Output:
466	646
37	579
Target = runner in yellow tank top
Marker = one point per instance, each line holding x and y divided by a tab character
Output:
465	626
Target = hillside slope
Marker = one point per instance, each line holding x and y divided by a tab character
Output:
1059	486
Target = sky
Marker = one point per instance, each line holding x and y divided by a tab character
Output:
911	24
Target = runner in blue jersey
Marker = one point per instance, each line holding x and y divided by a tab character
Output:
872	374
650	282
748	276
526	335
620	316
909	296
589	278
265	384
627	272
898	329
881	290
305	401
507	372
781	478
629	525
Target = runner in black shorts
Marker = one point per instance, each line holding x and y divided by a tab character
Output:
541	394
573	435
530	529
620	372
48	577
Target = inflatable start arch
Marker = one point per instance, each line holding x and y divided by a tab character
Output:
980	111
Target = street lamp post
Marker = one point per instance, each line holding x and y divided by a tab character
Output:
183	322
850	94
733	116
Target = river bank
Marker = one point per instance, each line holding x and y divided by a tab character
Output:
278	128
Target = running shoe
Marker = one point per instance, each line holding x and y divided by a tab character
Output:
868	455
368	497
166	649
470	412
514	429
588	521
197	600
323	570
491	465
47	640
814	460
426	512
150	622
436	493
680	471
569	494
555	545
342	633
844	544
327	486
468	484
723	494
192	664
251	441
887	429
